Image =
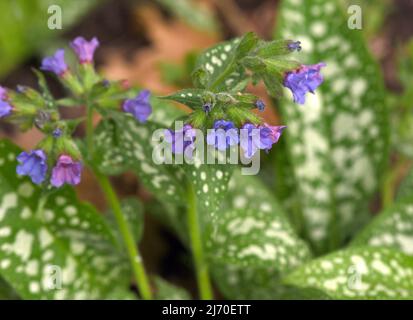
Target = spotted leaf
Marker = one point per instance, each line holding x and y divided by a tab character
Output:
168	291
358	273
63	251
216	61
252	229
392	228
337	141
252	243
190	97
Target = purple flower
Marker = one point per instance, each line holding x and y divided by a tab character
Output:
294	45
139	107
32	164
3	93
55	63
5	109
66	171
84	49
263	137
207	107
223	135
269	135
302	80
260	105
57	133
249	139
182	140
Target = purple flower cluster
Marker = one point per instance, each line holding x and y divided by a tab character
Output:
303	80
139	107
262	137
34	165
5	107
251	138
84	50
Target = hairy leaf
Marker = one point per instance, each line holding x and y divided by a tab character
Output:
358	273
63	251
392	228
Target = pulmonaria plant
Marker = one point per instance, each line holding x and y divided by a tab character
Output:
221	105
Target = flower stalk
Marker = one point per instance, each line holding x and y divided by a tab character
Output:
195	236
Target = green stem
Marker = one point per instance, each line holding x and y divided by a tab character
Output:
89	130
134	256
201	267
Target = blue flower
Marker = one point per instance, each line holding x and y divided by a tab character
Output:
55	63
182	140
223	135
269	135
3	93
139	107
294	46
33	164
84	49
263	137
260	105
249	139
5	109
303	80
57	133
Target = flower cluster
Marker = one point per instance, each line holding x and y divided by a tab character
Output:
304	79
224	135
56	159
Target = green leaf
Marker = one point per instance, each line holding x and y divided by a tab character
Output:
67	238
392	228
190	97
218	62
358	273
168	291
252	243
252	229
337	141
247	43
210	184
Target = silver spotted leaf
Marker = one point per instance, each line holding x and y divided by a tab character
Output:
64	251
337	142
358	273
392	228
252	230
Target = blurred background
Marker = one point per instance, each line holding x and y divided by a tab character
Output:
154	44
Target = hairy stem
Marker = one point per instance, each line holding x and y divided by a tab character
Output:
201	267
135	259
